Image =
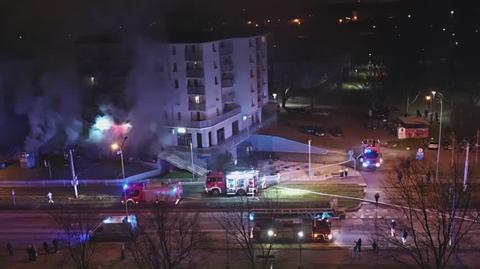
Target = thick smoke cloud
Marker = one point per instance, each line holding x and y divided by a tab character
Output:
43	101
149	95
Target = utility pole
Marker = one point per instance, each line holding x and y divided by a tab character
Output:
476	147
74	176
193	165
453	150
309	159
465	171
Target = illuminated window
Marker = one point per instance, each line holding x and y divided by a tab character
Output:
197	99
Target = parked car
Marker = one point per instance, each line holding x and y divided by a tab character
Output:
446	145
433	145
320	131
309	130
336	131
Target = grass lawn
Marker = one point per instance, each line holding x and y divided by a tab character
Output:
300	193
178	174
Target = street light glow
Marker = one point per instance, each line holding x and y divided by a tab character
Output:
428	97
270	233
300	234
115	146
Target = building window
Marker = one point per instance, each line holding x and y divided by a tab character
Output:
215	64
174	50
250	43
179	116
251	59
216	80
193	48
253	103
176	84
213	47
166	115
174	67
251	73
197	99
218	112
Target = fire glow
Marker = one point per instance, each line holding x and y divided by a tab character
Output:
105	128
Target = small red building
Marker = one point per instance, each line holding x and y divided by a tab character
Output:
412	127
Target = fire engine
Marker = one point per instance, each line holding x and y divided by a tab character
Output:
233	183
157	192
288	227
371	156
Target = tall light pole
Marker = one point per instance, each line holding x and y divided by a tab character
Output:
300	239
440	95
309	159
119	150
193	166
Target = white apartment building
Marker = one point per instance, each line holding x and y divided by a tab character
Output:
219	89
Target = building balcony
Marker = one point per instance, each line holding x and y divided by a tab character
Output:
196	89
227	82
193	55
226	49
197	106
194	73
228	97
208	122
227	66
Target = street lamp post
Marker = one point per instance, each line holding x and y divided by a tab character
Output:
119	149
300	238
309	159
191	157
434	93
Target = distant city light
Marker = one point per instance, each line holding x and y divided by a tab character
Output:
452	12
409	16
92	80
300	234
296	21
444	29
249	22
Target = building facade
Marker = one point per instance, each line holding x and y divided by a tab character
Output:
219	89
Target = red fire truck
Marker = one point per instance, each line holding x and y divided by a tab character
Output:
371	156
157	192
233	183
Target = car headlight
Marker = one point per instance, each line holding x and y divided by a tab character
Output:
364	164
329	236
377	164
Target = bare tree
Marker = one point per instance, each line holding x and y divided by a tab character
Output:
166	239
76	225
239	229
438	215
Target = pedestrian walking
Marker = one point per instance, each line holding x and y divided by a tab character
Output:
34	253
355	250
45	247
50	197
377	196
359	244
393	225
399	176
10	249
428	176
431	117
122	252
404	236
374	246
419	114
55	245
345	172
436	117
341	172
425	114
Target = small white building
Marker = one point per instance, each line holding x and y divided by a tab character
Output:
219	89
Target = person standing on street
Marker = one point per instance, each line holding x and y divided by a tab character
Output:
50	197
404	236
55	245
45	247
359	244
10	249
